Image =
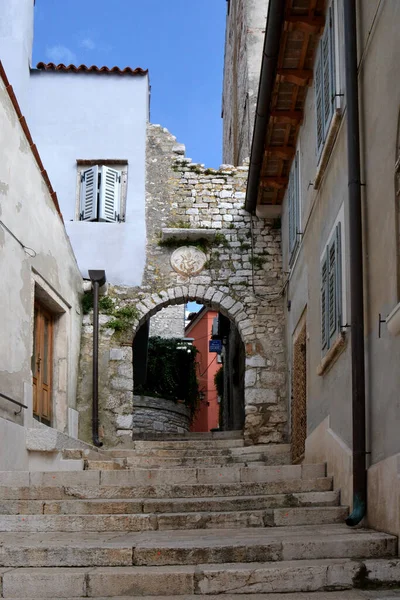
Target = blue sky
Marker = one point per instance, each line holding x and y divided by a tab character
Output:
181	42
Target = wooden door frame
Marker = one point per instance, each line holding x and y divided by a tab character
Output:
300	332
44	311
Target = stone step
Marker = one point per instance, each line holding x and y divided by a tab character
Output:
187	444
277	517
390	594
210	460
159	505
170	548
122	492
256	578
191	435
104	465
151	450
188	475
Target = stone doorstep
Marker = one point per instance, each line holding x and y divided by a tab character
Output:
278	517
139	476
174	505
161	548
346	595
59	492
285	577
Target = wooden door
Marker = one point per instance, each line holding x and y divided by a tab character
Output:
42	362
299	396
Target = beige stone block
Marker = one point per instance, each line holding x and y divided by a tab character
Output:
219	475
140	581
272	473
44	583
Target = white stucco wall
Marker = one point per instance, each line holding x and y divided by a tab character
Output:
90	116
16	39
28	211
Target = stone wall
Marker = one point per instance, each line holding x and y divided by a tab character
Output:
242	278
157	415
245	30
168	323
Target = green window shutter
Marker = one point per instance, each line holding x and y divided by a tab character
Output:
332	291
319	103
324	303
294	205
328	71
339	307
325	82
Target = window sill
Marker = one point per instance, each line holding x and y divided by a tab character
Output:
393	321
331	356
328	147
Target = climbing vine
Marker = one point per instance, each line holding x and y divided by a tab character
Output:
171	372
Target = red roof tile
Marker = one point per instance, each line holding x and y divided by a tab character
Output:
93	69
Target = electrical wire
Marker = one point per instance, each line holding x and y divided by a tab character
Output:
204	372
29	251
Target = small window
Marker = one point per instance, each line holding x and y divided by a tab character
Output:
331	291
325	89
100	195
101	190
294	207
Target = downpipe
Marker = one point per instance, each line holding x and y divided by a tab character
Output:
98	278
356	269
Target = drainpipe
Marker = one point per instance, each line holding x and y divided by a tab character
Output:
356	268
275	19
98	278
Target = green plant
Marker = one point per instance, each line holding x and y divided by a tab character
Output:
179	224
202	243
87	302
106	305
219	386
220	240
123	318
171	372
244	246
232	226
257	261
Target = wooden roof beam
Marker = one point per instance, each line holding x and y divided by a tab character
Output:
300	77
274	182
287	116
285	152
308	24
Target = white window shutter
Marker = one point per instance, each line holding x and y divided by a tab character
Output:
332	290
110	195
89	189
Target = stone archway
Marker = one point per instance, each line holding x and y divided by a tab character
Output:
240	276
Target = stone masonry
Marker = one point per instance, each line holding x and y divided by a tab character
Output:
242	278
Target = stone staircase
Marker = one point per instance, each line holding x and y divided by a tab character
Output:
191	518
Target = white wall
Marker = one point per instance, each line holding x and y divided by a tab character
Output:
28	211
16	38
90	116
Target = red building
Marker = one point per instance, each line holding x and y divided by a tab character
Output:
207	416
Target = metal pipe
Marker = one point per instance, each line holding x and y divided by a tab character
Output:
13	401
276	13
356	268
98	278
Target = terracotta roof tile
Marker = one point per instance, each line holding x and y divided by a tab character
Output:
93	69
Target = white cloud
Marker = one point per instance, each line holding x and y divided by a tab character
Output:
88	43
61	54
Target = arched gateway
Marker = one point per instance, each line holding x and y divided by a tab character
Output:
201	246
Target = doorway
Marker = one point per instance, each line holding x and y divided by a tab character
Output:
42	364
299	394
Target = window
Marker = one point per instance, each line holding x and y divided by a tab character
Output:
294	207
325	88
331	290
100	197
